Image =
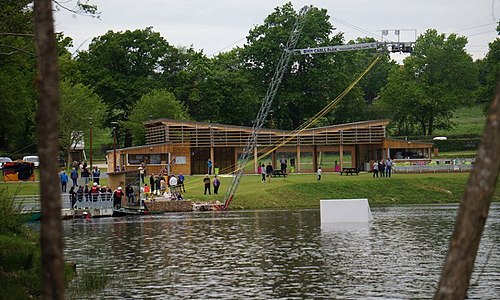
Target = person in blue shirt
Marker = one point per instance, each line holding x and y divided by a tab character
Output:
209	165
74	176
180	182
64	181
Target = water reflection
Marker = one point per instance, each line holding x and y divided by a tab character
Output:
278	254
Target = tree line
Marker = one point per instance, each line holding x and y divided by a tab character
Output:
132	76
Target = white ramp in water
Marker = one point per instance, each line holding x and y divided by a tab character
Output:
345	211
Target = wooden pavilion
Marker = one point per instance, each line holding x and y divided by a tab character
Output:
185	147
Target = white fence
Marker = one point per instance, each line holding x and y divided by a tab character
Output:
433	168
101	200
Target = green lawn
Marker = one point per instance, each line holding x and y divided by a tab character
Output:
304	191
468	120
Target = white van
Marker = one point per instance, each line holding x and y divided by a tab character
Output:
34	159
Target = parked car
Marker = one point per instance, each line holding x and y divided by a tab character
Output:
34	159
4	160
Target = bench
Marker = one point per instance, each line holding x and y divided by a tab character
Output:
278	173
350	171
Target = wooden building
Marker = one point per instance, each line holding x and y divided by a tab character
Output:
185	147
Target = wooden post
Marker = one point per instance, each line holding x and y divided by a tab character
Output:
297	161
255	159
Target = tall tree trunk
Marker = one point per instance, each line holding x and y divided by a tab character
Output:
48	145
473	211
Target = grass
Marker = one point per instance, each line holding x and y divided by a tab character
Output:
304	191
469	120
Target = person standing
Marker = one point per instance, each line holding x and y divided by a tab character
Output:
72	196
152	183
269	171
180	182
117	197
292	165
94	192
74	176
64	181
320	172
283	164
381	168
129	192
173	183
206	181
216	185
85	175
375	169
96	173
263	173
388	167
209	166
141	173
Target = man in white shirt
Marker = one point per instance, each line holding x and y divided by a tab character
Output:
173	183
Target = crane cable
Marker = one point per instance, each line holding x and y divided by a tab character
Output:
311	121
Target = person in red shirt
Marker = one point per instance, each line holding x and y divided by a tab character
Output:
117	197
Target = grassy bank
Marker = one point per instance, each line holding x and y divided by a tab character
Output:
304	191
20	254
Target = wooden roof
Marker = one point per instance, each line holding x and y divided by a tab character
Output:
200	134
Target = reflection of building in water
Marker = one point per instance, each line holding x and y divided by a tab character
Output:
184	147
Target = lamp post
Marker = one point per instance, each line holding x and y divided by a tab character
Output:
114	145
90	121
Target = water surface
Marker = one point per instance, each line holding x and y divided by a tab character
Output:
278	254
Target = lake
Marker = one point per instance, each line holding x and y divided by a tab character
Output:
278	254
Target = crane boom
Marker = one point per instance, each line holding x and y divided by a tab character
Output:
266	103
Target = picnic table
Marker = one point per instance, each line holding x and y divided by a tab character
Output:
278	173
350	171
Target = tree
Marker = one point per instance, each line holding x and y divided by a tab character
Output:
312	80
78	104
48	144
436	78
489	71
473	212
17	70
153	105
122	66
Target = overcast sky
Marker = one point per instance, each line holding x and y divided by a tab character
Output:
219	25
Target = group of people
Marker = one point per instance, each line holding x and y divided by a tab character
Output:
159	184
207	183
94	193
266	172
384	168
79	170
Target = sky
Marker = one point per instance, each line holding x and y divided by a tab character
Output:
220	25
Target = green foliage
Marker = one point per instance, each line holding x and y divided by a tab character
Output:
489	73
154	105
11	218
458	144
78	104
312	80
122	66
436	78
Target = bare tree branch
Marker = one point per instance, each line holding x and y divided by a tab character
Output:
17	34
474	207
16	50
48	144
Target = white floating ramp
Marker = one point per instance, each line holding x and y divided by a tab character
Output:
345	211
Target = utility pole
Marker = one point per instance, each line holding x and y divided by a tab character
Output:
114	145
90	123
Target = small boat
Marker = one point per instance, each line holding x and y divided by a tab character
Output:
129	211
33	216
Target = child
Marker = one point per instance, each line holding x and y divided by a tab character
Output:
319	173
